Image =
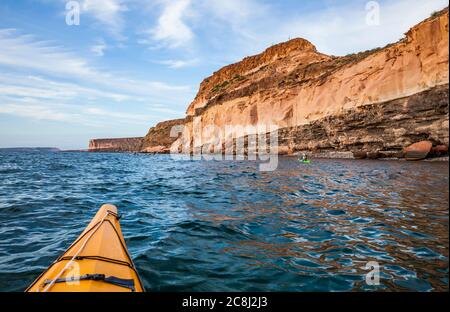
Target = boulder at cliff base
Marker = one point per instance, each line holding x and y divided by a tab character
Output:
418	151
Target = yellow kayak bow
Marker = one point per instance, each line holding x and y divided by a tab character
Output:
98	261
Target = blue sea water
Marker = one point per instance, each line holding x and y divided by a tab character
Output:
225	226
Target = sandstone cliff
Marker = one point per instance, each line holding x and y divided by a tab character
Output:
159	139
378	100
115	145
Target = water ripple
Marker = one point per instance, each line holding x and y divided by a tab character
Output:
225	226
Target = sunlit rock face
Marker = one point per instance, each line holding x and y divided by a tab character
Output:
378	100
159	138
115	145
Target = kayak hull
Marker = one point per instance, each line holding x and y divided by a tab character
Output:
99	250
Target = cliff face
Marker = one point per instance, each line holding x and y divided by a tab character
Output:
276	60
115	145
378	100
158	139
383	127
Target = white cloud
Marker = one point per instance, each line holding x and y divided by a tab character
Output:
38	98
108	13
177	64
171	29
99	48
114	115
236	28
342	29
25	51
339	28
238	15
178	18
41	88
165	110
14	90
40	80
60	111
39	112
92	117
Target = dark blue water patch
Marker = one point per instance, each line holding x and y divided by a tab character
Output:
416	234
414	284
336	212
425	252
360	220
307	263
211	226
9	170
400	271
196	230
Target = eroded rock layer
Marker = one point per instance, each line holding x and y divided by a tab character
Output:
159	139
115	145
384	128
381	99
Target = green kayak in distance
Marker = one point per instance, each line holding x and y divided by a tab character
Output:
305	161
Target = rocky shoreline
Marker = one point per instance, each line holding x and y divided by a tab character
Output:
387	103
375	103
349	155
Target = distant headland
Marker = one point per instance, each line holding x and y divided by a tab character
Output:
30	149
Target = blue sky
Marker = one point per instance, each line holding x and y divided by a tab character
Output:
133	63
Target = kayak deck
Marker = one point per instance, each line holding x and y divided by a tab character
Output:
98	261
